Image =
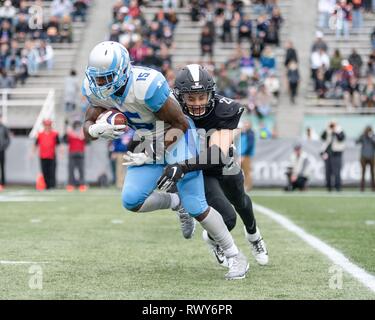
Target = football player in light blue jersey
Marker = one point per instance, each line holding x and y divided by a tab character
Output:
144	96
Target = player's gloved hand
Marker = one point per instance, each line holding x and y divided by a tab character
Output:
136	159
171	175
106	130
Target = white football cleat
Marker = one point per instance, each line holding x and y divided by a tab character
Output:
258	248
238	267
187	223
216	250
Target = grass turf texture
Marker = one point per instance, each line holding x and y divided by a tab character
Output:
145	257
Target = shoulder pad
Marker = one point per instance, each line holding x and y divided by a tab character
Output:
142	81
226	108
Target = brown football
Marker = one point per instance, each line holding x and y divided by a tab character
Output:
113	116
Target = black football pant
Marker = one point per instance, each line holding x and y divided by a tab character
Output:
227	195
49	172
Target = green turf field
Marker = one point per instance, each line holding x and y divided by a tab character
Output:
88	247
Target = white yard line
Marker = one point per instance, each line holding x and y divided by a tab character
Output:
20	262
331	253
24	199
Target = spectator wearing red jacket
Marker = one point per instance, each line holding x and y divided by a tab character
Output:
47	141
76	142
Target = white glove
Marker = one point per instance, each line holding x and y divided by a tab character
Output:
106	130
136	159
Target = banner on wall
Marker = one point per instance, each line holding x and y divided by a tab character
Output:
269	164
272	158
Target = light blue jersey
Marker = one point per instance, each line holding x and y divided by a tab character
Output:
145	93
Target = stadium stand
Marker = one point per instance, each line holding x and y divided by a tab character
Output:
239	69
350	58
40	42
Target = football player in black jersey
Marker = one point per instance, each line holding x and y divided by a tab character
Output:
195	90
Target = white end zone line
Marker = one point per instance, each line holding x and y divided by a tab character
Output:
367	279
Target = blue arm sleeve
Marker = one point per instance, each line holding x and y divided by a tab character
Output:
157	94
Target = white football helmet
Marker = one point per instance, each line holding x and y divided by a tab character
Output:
108	68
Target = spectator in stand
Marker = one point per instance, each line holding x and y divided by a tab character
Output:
6	32
169	4
325	9
320	86
6	81
207	43
333	147
368	93
346	75
22	28
335	64
75	139
139	51
45	55
79	10
66	30
53	29
194	10
60	8
372	37
7	11
247	151
356	61
268	60
357	18
246	63
371	64
71	91
298	170
272	34
352	96
262	26
342	13
291	53
272	84
367	141
244	29
293	80
257	47
369	6
47	141
319	43
4	144
319	59
227	27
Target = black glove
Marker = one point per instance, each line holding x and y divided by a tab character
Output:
171	175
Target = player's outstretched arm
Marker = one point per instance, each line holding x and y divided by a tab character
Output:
217	155
172	114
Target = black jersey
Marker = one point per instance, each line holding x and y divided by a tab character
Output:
225	115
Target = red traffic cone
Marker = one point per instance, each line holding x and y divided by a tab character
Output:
40	183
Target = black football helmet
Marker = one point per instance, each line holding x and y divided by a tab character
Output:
195	79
